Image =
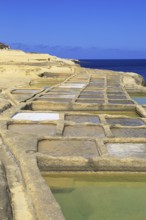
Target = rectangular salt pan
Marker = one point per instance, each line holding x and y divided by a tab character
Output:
124	150
33	128
36	116
58	96
77	148
72	85
83	131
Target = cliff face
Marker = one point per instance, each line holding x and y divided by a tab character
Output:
4	46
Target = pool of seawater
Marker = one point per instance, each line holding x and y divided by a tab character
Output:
139	98
99	196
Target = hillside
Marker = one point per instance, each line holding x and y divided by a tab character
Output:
4	46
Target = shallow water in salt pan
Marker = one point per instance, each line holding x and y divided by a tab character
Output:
140	100
103	197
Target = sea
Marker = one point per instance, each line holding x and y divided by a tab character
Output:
128	65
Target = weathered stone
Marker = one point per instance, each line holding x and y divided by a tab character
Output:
72	148
67	120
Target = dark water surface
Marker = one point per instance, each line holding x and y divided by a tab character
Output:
137	66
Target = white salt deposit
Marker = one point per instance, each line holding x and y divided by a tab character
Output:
127	149
72	85
59	96
36	116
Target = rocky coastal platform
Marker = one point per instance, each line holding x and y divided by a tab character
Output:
58	117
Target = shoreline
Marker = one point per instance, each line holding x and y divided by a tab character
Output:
78	103
121	65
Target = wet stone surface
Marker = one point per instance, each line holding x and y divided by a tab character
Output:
95	85
114	90
100	96
84	148
82	118
83	131
94	88
126	102
116	93
63	96
125	121
127	149
35	129
116	97
92	92
56	93
63	91
129	132
96	101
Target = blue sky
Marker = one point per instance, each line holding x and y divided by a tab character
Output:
73	24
